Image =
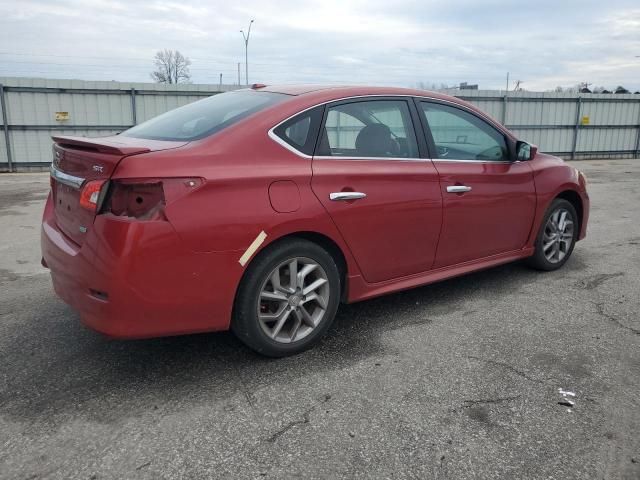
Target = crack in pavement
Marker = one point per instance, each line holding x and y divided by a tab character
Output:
507	367
600	309
144	465
470	403
305	419
595	281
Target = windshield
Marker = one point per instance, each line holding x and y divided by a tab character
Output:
204	117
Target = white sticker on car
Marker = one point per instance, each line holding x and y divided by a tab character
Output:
252	248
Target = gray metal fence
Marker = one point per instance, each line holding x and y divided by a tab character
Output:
569	125
572	126
35	109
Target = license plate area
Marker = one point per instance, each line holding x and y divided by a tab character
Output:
67	198
70	217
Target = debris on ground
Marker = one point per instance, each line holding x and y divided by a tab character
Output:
566	401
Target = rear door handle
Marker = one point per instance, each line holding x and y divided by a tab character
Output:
458	189
342	196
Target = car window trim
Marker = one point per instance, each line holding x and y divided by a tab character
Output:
314	129
367	159
274	136
416	98
369	98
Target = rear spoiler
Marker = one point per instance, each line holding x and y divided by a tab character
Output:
103	145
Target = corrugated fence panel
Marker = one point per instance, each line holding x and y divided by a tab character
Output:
149	106
493	108
26	108
558	113
66	106
559	140
34	146
524	113
611	113
606	139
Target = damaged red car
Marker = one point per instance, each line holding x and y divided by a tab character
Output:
261	210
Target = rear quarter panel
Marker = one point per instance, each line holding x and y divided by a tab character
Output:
232	207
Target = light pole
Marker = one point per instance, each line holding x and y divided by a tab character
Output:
246	52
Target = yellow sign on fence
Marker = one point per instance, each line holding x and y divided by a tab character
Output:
61	116
585	120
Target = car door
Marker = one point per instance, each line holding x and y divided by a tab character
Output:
384	199
489	199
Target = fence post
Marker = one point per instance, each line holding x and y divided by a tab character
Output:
576	128
637	154
5	126
504	109
133	107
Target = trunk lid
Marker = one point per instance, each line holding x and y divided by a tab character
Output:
79	160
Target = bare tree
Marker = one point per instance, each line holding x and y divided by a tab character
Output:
171	67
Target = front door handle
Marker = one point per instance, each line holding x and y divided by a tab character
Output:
341	196
458	189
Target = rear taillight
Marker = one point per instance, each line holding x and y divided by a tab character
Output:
146	199
90	195
143	200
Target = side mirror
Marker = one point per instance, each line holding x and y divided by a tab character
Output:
525	151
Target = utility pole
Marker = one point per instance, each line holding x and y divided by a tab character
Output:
239	82
507	90
220	81
246	51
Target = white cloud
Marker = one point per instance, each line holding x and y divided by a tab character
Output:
546	43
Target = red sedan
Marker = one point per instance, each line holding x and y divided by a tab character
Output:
261	210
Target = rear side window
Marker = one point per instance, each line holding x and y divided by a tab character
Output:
204	117
459	135
370	129
301	131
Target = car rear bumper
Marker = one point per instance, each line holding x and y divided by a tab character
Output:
133	279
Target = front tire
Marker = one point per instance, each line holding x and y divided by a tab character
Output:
557	236
287	299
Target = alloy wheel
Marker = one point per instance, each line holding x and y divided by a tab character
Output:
558	235
293	300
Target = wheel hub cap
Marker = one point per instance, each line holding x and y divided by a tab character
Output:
558	235
293	300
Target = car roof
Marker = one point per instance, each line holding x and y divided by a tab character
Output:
340	91
305	96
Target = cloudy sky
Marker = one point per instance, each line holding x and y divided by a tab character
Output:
544	44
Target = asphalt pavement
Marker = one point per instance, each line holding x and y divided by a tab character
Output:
456	380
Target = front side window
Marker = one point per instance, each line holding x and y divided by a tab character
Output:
459	135
204	117
376	128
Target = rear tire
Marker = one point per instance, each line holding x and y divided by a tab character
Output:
556	238
279	314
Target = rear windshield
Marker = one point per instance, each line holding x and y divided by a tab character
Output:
204	117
